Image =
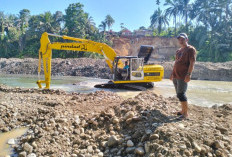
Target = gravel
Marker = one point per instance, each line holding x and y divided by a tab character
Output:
104	124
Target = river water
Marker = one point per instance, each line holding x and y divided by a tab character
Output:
5	149
202	93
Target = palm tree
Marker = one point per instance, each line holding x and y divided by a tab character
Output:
102	26
122	26
46	22
90	25
2	25
185	7
22	25
90	21
207	12
173	10
159	19
24	16
225	4
142	28
109	21
201	11
58	18
6	22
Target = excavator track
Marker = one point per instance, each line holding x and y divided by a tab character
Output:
126	86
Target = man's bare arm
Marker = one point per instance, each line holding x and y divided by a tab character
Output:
191	67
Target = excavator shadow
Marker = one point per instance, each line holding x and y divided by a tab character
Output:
126	86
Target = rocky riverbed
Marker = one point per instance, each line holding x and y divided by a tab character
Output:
86	67
105	124
97	68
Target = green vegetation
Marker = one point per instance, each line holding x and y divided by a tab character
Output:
208	24
20	34
158	19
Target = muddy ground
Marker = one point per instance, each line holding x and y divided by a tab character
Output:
97	68
104	124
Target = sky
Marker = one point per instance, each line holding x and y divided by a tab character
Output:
133	13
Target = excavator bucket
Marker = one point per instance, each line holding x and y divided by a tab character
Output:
145	52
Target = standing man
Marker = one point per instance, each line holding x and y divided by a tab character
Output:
182	71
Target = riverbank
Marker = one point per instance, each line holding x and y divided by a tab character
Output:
103	123
97	68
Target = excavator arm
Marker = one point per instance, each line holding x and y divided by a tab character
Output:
46	47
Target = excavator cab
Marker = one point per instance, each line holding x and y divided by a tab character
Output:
133	69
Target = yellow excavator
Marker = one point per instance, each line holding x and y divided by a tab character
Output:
135	75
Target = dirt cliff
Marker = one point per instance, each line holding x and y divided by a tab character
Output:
164	48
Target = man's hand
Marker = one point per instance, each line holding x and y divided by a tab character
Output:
187	78
171	77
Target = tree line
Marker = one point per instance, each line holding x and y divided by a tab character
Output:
208	24
20	34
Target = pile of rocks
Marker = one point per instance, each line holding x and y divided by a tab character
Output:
85	67
8	89
103	124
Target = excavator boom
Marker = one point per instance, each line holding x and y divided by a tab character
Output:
46	47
